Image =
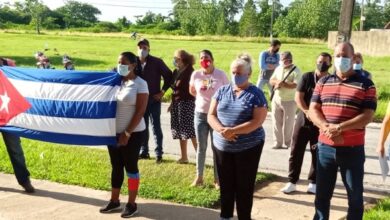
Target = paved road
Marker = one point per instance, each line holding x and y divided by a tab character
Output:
276	161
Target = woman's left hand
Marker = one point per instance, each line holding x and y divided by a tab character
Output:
228	134
123	139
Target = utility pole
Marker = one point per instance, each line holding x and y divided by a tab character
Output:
272	19
345	23
362	18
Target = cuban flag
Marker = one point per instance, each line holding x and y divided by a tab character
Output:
67	107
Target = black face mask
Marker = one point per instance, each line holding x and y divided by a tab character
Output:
276	50
322	67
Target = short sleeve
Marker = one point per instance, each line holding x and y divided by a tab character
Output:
142	86
303	82
192	79
218	94
258	99
297	75
370	101
316	97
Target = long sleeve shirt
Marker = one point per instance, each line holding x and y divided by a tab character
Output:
154	68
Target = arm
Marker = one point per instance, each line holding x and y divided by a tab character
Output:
166	73
212	117
262	63
385	129
317	117
299	99
192	85
259	115
140	108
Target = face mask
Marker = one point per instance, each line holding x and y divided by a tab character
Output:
357	66
342	64
239	79
123	70
276	50
143	53
174	63
322	67
205	63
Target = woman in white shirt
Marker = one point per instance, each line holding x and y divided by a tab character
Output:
132	99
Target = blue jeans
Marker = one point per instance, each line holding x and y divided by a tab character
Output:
262	82
350	160
153	112
15	152
202	130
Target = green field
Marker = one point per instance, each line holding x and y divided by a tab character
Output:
100	52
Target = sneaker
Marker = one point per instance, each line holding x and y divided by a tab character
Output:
289	188
159	159
144	156
129	210
311	188
277	147
110	207
28	188
182	161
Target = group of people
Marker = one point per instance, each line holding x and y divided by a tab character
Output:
43	61
333	110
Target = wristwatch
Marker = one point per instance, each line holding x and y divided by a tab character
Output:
127	133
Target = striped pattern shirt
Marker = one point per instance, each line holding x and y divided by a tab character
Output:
233	110
343	100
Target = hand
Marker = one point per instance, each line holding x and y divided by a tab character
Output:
332	131
123	139
279	84
306	112
158	96
270	66
228	134
381	150
169	108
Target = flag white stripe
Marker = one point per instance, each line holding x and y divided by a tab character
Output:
93	127
65	92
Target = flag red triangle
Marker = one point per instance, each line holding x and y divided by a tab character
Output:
12	102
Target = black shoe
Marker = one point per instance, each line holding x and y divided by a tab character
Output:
159	159
28	188
129	210
144	156
111	206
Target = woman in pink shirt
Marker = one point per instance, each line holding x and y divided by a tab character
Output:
203	84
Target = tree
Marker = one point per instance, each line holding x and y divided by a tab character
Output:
248	21
266	14
309	18
34	8
374	14
78	14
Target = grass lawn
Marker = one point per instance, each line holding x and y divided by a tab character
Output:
100	52
90	167
380	212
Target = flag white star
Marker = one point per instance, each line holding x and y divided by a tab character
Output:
4	102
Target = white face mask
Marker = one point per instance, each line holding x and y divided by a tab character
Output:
123	70
143	53
342	64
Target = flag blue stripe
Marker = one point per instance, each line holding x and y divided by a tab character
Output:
71	109
60	138
62	76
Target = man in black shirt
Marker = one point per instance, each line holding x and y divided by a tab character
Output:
304	130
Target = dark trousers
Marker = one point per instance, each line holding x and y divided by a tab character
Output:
350	160
16	155
237	175
125	157
152	113
303	134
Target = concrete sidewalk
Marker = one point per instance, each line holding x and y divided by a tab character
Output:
59	201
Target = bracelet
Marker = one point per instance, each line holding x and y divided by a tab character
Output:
127	133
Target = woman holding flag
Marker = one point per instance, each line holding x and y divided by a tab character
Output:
132	99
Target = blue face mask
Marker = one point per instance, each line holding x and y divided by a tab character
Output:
239	79
174	63
357	66
123	70
342	64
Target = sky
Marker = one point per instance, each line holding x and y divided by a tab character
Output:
114	9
